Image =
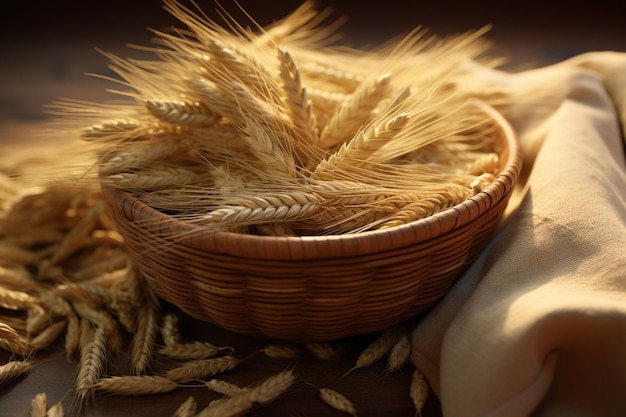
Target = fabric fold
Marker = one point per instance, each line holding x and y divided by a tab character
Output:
516	334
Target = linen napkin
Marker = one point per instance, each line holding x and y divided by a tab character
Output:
537	325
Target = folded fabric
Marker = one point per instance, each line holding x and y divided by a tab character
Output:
537	325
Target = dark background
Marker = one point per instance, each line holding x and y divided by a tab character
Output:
48	46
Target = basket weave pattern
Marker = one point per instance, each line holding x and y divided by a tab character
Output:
314	288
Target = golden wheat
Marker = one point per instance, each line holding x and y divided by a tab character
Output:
337	401
418	391
39	405
13	369
135	385
187	408
201	368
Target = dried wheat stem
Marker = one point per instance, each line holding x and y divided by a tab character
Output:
135	385
201	368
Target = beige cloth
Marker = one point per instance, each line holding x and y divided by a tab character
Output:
537	325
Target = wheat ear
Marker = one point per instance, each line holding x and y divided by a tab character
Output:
400	353
261	393
352	114
338	401
356	152
39	405
191	350
419	391
56	410
201	368
188	408
135	385
378	348
299	107
13	369
92	360
144	339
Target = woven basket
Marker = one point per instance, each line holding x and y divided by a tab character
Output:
314	288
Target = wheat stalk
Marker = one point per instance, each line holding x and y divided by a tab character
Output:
261	393
201	368
355	112
418	391
135	385
13	369
144	339
93	355
191	350
337	401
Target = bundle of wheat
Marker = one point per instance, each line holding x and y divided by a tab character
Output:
331	191
271	131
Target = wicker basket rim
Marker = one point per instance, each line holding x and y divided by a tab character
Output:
308	247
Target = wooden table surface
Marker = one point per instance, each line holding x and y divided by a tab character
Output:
373	390
47	50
